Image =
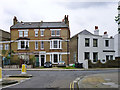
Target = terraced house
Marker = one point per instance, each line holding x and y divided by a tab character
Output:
47	41
4	45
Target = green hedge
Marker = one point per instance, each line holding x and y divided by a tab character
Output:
108	64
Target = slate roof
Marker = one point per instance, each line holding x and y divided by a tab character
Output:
28	25
85	32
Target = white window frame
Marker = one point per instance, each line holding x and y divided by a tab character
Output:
57	34
59	44
41	32
36	32
6	46
59	58
36	45
1	47
20	33
26	33
52	32
42	45
26	42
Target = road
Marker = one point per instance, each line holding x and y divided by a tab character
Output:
53	79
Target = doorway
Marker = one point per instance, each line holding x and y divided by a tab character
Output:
42	60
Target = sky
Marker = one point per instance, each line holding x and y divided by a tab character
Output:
83	14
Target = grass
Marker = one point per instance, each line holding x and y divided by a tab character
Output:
69	68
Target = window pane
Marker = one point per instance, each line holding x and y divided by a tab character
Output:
95	42
42	33
53	32
107	43
107	57
55	44
36	33
87	55
95	56
87	42
58	32
42	45
20	33
111	57
36	45
22	44
25	33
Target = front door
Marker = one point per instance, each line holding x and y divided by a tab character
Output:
42	60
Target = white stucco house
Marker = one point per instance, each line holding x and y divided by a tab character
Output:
93	47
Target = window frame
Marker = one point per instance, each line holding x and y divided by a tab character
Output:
42	45
57	33
25	34
95	59
85	57
106	43
52	32
1	46
36	45
20	33
87	43
96	43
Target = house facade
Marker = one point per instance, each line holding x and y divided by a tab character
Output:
4	44
46	41
92	47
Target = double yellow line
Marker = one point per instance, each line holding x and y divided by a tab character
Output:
72	86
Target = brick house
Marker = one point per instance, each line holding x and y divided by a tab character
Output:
47	41
4	44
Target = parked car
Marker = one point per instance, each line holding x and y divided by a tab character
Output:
61	64
47	64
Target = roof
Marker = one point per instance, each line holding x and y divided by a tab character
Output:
28	25
86	32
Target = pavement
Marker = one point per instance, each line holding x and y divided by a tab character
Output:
60	69
106	80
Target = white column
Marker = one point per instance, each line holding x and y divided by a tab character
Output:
45	58
50	57
39	60
50	44
58	57
61	44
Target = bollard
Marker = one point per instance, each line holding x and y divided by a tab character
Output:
0	74
23	71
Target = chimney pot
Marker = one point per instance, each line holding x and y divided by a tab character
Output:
96	27
105	32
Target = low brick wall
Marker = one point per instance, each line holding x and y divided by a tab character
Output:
107	64
16	66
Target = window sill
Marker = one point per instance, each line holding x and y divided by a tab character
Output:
23	49
56	48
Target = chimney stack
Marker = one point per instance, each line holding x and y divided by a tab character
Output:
105	34
96	31
66	20
15	21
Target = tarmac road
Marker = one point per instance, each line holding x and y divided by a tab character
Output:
53	79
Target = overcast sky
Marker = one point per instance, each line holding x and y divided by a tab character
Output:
82	14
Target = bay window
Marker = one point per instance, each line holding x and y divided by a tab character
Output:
55	44
23	45
55	58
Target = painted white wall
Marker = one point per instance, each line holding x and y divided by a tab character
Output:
117	45
91	49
